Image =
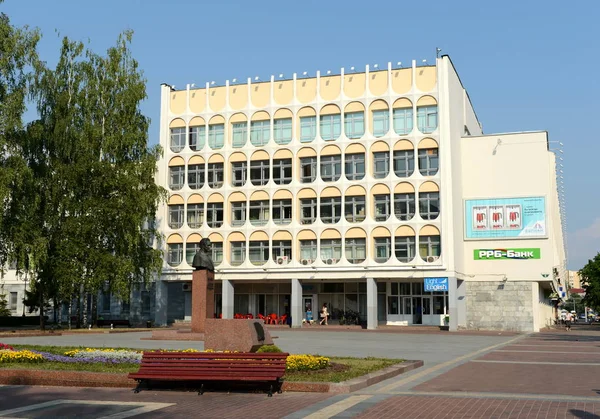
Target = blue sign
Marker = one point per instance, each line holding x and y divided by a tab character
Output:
504	218
436	284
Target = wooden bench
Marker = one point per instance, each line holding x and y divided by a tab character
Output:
115	322
202	367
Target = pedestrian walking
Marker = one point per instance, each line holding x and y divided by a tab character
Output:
568	321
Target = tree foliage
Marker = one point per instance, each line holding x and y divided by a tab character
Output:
590	277
4	310
79	214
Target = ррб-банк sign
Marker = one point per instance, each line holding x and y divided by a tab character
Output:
495	254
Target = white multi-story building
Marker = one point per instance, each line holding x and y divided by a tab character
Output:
361	190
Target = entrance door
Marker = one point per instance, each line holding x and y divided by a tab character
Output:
308	309
417	310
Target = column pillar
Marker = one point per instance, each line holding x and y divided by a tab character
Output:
296	303
461	304
371	304
227	299
162	295
452	304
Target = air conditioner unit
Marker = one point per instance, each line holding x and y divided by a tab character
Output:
432	259
331	261
186	286
306	262
282	260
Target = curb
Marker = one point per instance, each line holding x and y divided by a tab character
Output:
355	384
99	379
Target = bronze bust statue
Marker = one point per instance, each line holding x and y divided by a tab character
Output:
203	257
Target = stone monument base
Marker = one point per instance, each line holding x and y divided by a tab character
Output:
236	335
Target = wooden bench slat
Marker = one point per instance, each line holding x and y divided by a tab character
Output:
213	355
213	364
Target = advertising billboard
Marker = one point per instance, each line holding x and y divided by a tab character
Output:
506	254
436	284
505	218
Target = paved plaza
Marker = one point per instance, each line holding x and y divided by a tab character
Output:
545	375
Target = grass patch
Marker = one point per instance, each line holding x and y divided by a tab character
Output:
340	369
354	367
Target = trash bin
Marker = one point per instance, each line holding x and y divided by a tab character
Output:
149	324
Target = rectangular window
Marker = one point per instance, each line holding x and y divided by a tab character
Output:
197	138
393	307
214	214
177	139
331	210
239	171
216	136
382	207
308	128
239	134
282	211
259	213
146	304
404	163
176	177
405	249
238	213
12	304
331	127
428	161
308	250
217	253
354	124
308	169
196	176
308	210
282	130
427	118
331	168
195	215
331	249
429	246
354	209
215	175
356	250
404	206
281	248
259	132
403	120
282	171
174	254
355	166
381	122
175	216
238	253
381	164
259	172
383	249
190	251
259	252
429	205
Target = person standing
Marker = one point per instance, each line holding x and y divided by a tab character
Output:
324	314
568	321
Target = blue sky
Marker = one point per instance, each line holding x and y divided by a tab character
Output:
527	65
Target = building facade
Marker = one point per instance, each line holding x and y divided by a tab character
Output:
374	192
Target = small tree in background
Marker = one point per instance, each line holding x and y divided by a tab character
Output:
4	311
590	277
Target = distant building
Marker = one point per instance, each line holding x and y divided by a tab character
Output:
574	279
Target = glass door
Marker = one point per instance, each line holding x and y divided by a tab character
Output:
308	309
417	310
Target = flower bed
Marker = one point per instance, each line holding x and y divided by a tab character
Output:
124	356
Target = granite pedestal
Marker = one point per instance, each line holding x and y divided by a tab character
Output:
203	299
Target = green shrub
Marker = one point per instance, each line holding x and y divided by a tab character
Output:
272	349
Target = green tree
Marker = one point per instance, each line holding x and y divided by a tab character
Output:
4	310
17	56
90	198
590	277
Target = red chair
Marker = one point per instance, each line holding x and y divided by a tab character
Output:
283	319
249	316
260	316
272	319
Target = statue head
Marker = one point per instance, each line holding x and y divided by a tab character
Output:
203	257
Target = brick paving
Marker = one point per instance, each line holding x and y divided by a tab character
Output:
209	405
546	375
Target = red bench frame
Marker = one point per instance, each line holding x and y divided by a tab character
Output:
212	366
